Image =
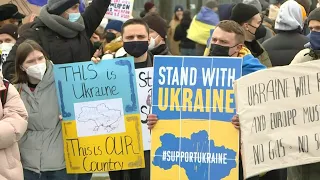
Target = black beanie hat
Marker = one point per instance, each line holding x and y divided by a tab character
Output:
314	15
156	23
58	7
241	12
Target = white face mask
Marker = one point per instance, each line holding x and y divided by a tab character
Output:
152	44
37	71
5	49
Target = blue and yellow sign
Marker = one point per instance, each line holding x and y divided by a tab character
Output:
101	121
194	100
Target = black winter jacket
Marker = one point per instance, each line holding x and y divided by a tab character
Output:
60	49
283	47
181	35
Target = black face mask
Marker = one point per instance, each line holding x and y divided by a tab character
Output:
261	31
96	45
218	50
110	36
136	48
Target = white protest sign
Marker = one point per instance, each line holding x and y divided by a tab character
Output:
120	10
279	117
144	78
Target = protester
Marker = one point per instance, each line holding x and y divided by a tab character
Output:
289	41
135	34
148	7
113	38
9	14
41	147
158	29
62	32
13	124
228	40
274	9
269	32
313	51
8	37
187	47
97	38
176	19
113	30
249	18
201	25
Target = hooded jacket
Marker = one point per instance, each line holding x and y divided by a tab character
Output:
41	146
61	49
13	124
289	41
201	25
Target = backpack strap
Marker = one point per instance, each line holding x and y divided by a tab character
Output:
4	93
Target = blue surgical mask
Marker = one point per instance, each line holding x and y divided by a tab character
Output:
315	40
73	17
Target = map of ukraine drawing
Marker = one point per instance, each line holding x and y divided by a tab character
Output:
198	143
102	116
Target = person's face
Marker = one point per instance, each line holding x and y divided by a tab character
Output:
95	38
6	38
179	14
73	9
252	26
227	39
135	32
154	9
155	36
35	57
9	21
314	25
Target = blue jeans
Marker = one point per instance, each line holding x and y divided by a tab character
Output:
187	52
54	175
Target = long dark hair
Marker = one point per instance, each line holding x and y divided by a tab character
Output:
186	19
23	51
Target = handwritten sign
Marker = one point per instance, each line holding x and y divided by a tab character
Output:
120	10
101	120
279	117
144	78
194	100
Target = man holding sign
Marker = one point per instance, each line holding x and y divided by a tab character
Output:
227	40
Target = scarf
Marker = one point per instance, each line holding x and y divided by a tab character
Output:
61	25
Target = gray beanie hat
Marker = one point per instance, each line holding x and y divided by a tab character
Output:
58	7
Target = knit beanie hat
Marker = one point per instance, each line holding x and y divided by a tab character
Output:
314	15
289	17
241	13
156	23
255	3
178	8
114	25
148	6
58	7
10	29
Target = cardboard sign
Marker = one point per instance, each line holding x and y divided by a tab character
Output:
193	98
279	117
101	120
144	78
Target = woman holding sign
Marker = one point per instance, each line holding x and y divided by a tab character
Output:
41	147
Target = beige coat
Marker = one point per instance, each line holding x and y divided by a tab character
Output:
173	45
302	57
13	124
